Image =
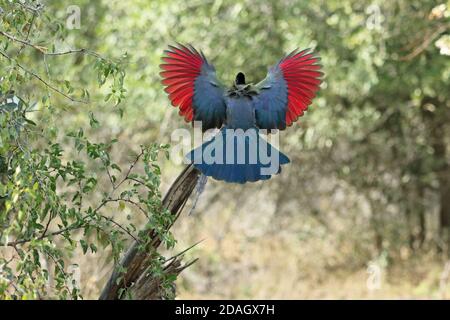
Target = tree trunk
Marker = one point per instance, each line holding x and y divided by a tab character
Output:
422	232
136	262
444	212
436	126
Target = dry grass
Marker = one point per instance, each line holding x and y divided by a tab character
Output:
250	252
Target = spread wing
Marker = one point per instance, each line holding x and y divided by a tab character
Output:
192	86
288	90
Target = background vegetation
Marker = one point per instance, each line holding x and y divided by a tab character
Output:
363	211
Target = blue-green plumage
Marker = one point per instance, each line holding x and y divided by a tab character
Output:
238	153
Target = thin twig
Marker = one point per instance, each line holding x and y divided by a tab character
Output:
184	251
22	241
47	69
142	183
28	32
110	177
50	218
121	227
40	79
23	42
425	43
37	9
130	169
43	50
129	201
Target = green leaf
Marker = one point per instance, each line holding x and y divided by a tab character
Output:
84	246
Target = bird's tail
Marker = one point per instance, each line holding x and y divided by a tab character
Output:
238	156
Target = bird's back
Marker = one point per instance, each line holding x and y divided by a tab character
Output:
240	112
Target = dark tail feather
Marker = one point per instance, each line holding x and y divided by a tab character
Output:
211	157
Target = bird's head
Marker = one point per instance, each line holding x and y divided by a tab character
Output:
240	79
241	88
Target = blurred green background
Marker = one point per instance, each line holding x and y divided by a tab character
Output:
363	210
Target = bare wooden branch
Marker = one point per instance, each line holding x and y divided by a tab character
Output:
135	261
43	50
429	37
23	42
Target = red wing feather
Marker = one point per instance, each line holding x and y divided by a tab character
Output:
182	65
302	79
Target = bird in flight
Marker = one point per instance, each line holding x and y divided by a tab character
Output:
238	153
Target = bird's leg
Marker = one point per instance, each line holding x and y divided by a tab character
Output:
199	188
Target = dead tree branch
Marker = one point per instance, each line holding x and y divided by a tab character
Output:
136	261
